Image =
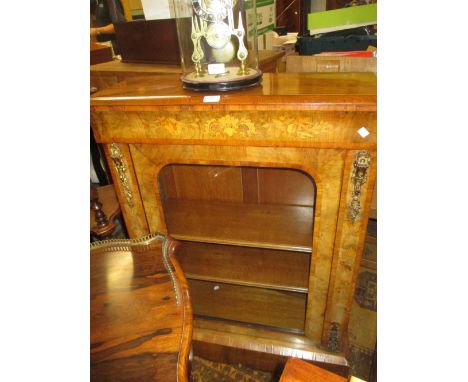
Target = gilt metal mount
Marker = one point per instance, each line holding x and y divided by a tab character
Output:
117	158
334	337
359	177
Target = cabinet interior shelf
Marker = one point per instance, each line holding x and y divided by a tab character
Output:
252	225
256	267
246	283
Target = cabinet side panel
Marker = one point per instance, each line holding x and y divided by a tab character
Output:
147	171
326	167
349	242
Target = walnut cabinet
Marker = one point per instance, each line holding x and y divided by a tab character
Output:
267	189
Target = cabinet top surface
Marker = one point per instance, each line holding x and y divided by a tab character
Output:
319	91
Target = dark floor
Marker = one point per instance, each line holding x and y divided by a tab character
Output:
207	371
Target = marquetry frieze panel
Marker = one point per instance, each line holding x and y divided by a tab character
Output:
278	128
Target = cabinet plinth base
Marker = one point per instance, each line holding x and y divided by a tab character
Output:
241	338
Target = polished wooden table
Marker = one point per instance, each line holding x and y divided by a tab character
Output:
109	73
141	316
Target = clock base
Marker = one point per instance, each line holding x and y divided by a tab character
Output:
223	82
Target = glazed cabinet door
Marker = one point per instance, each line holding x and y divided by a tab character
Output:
235	220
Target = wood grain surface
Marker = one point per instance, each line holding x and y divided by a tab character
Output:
268	362
237	184
324	166
264	340
315	129
262	306
99	53
280	91
141	316
110	73
306	124
265	268
272	226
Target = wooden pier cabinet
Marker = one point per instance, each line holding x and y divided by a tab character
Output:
268	190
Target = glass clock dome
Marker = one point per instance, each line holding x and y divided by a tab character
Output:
218	44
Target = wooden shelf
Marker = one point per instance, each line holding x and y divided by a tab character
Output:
256	267
246	283
251	225
270	307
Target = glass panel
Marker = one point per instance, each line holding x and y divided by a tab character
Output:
247	230
218	44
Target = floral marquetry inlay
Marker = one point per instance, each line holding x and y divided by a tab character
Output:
238	125
301	127
230	126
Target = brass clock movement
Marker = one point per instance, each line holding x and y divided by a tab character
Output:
222	55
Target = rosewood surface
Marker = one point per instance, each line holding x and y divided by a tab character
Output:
141	317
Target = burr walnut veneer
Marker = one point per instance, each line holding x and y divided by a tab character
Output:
268	190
